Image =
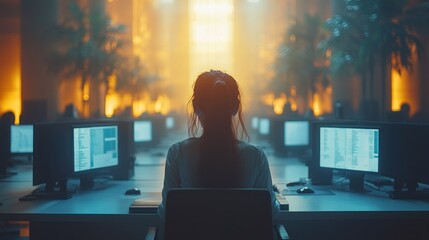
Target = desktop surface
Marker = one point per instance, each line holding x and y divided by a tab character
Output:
110	199
110	206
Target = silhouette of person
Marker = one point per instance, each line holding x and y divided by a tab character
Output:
288	112
70	112
405	112
403	115
6	120
216	158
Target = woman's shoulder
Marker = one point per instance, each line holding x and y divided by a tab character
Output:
189	143
186	142
248	148
252	155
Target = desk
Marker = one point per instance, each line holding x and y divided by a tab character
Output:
348	215
99	214
103	214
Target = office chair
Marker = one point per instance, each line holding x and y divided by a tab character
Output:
218	214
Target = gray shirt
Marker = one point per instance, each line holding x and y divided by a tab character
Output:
181	163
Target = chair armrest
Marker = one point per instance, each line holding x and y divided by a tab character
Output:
151	233
281	232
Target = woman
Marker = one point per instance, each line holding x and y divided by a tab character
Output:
216	159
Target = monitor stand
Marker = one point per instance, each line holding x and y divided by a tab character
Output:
356	182
86	182
54	190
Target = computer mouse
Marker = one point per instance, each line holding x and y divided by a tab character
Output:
305	190
133	191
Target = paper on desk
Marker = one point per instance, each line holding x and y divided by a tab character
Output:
147	204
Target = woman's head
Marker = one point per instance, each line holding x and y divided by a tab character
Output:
216	102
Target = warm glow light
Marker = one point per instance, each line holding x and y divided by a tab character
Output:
137	40
11	101
268	99
211	6
85	95
293	105
139	107
293	91
279	103
317	105
162	105
211	31
404	90
328	53
112	102
10	74
16	102
140	28
396	91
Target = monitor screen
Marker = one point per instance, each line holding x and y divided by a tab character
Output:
21	138
296	133
169	122
95	147
264	126
349	148
142	131
255	122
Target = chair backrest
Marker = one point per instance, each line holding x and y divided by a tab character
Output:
218	214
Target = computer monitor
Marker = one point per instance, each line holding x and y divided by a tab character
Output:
406	152
169	122
296	133
52	165
127	153
255	122
21	139
142	131
75	149
264	126
95	148
354	148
